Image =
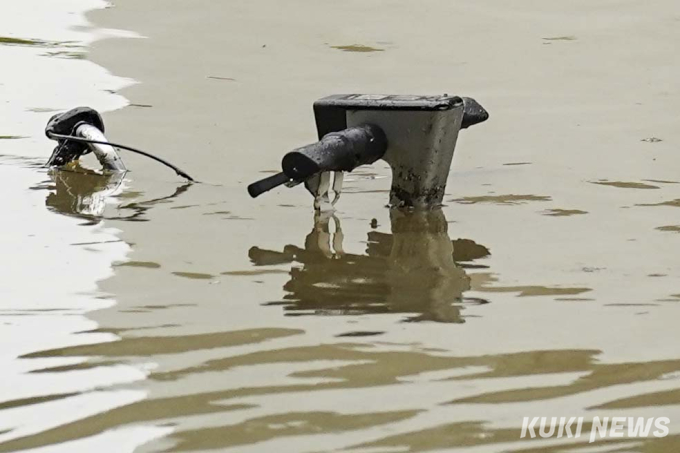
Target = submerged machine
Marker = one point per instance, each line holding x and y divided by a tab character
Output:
80	131
87	124
415	135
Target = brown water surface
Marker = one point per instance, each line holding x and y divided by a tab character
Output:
230	324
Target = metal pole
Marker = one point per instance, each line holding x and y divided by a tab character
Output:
106	154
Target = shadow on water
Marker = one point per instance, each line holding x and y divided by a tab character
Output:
415	269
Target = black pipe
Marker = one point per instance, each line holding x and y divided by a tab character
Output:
337	151
264	185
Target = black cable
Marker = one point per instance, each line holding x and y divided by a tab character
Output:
177	170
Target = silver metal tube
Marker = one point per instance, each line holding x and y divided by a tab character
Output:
106	154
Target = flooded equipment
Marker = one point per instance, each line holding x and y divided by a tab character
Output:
415	135
86	123
80	131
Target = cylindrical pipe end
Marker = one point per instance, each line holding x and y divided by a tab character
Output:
337	151
264	185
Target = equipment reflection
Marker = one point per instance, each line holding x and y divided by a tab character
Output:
84	193
417	269
81	192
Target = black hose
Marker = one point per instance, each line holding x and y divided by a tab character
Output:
177	170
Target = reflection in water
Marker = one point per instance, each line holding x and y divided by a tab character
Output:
412	270
466	389
85	193
267	388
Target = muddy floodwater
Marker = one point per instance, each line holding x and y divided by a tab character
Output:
145	314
